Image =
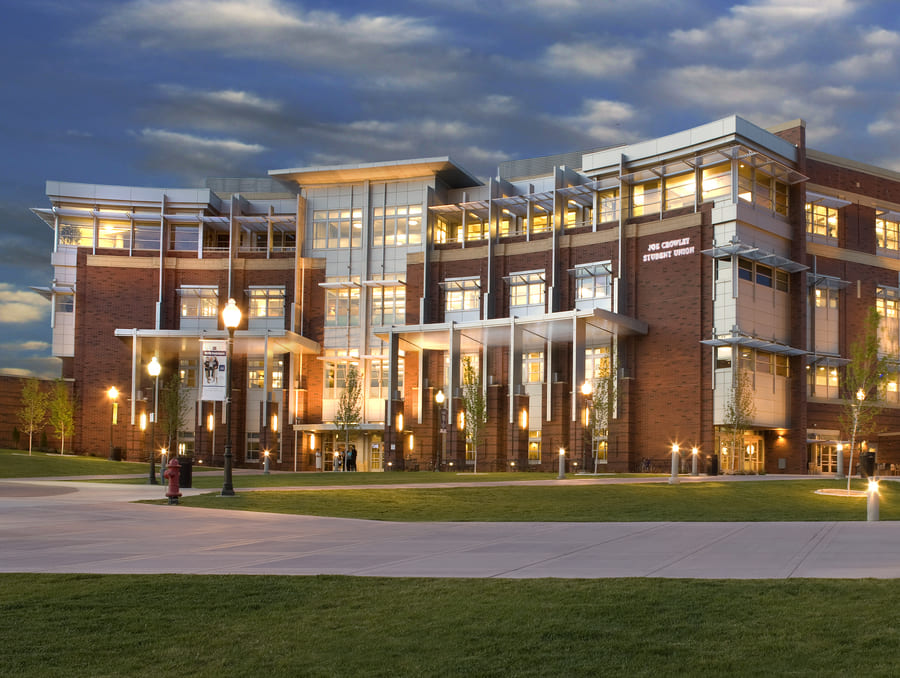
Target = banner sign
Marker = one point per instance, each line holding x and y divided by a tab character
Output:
213	379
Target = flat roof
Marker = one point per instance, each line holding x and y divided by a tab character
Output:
444	168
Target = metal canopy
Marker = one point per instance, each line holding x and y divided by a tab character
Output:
826	200
825	281
826	360
737	248
245	341
752	342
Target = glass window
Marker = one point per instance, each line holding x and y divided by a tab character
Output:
65	303
252	447
680	190
745	269
716	182
146	236
608	202
183	238
256	373
887	234
723	357
763	275
821	220
645	198
825	381
342	307
745	182
187	369
540	221
114	234
336	375
527	289
534	446
887	303
781	198
336	228
462	295
533	367
781	365
397	225
199	302
80	234
388	305
267	302
592	281
782	281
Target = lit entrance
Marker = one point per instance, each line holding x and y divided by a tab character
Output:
747	454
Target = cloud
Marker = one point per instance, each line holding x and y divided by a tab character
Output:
590	60
604	121
197	157
27	346
265	30
18	306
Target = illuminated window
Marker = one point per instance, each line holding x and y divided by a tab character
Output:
608	202
645	198
336	374
824	381
77	233
342	306
116	234
256	375
199	302
596	363
534	447
600	447
716	182
463	294
187	370
336	228
593	282
267	302
540	221
887	234
398	225
826	318
527	289
388	305
723	357
533	367
680	191
821	220
887	303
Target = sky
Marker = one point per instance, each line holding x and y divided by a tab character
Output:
165	93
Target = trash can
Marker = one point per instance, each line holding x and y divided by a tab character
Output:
186	473
867	464
712	465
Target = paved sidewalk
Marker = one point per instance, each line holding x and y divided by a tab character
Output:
52	526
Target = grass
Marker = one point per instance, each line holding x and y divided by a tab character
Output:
110	625
771	500
18	464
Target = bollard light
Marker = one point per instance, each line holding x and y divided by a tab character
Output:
673	479
154	369
872	501
266	462
695	453
562	464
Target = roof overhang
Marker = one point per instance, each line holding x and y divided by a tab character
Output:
443	168
753	342
535	330
245	341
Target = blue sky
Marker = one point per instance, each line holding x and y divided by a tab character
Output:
167	92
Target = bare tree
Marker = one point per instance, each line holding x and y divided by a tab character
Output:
475	406
740	409
601	405
863	382
62	413
175	406
349	409
33	414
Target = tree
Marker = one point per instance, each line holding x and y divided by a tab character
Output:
475	406
33	414
62	413
175	405
862	384
601	405
740	409
349	409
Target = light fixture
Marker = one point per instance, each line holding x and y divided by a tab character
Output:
210	422
523	418
586	388
412	442
143	422
312	441
461	420
399	421
439	397
275	423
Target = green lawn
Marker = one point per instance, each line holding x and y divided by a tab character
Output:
170	625
770	500
18	464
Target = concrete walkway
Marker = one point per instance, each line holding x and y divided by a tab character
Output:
53	526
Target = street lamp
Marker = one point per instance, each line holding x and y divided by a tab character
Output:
154	368
439	398
562	464
113	394
695	452
231	317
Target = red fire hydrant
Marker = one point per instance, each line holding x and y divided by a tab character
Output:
173	473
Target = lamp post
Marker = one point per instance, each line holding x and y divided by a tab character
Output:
872	501
562	464
673	479
154	368
231	317
695	452
113	394
840	462
442	412
587	388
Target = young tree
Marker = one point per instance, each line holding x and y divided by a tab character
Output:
601	405
740	409
349	409
62	413
475	406
862	383
33	414
175	406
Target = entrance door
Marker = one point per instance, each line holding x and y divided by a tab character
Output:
376	454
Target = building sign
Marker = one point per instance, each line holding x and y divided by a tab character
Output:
212	383
668	248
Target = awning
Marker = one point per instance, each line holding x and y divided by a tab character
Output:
753	342
737	248
251	342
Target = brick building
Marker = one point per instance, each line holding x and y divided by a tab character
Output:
654	272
